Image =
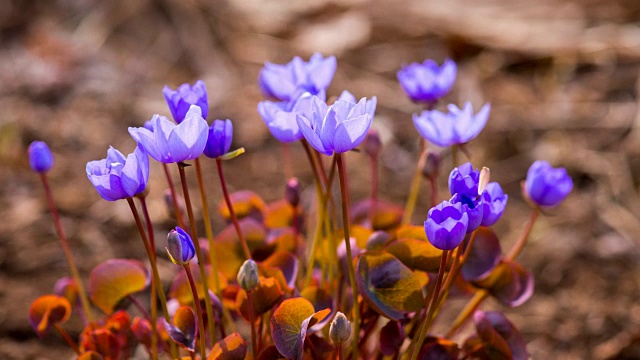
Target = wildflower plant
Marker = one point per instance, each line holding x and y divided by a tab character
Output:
273	283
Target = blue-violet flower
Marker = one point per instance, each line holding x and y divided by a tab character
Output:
117	177
446	225
464	180
40	157
473	206
494	200
340	127
286	82
280	117
547	186
180	246
219	139
427	82
457	127
181	99
168	142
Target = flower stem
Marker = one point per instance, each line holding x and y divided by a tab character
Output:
174	198
67	338
340	355
232	214
347	242
415	186
254	349
481	295
86	306
196	242
196	301
434	297
212	259
454	155
153	295
154	269
374	189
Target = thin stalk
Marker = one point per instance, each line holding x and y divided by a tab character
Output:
212	259
481	295
428	320
340	354
415	186
254	347
344	193
374	189
86	305
153	295
174	198
196	242
67	338
139	306
196	300
154	269
454	155
232	214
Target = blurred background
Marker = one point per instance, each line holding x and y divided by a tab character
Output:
561	76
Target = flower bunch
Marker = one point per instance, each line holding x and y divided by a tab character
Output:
269	262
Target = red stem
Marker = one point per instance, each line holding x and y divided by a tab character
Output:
254	348
174	198
196	300
232	214
67	338
374	189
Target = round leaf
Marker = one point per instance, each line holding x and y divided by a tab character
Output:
510	283
416	254
501	338
484	256
184	328
233	347
289	325
388	285
115	279
46	311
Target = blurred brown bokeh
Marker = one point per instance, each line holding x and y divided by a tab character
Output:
562	78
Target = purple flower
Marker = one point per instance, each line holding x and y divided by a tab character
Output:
473	206
219	140
117	177
457	127
464	180
494	201
286	82
280	117
446	225
337	128
168	142
181	99
40	157
427	82
180	246
547	186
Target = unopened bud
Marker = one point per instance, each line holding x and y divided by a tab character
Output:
40	157
248	275
180	246
373	144
292	192
340	329
431	166
485	177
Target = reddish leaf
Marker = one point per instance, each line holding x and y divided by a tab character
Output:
510	283
387	285
320	299
90	355
263	297
484	256
270	353
233	347
244	203
286	262
278	214
435	348
46	311
184	329
391	338
102	341
500	337
68	288
289	325
387	215
115	279
416	254
141	329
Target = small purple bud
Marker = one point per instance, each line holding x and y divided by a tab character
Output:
219	138
464	180
431	167
446	225
292	192
373	143
547	186
340	329
248	275
40	157
180	246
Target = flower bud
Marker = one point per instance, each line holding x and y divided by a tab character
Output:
431	166
373	144
340	329
292	192
40	157
248	275
180	246
546	185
